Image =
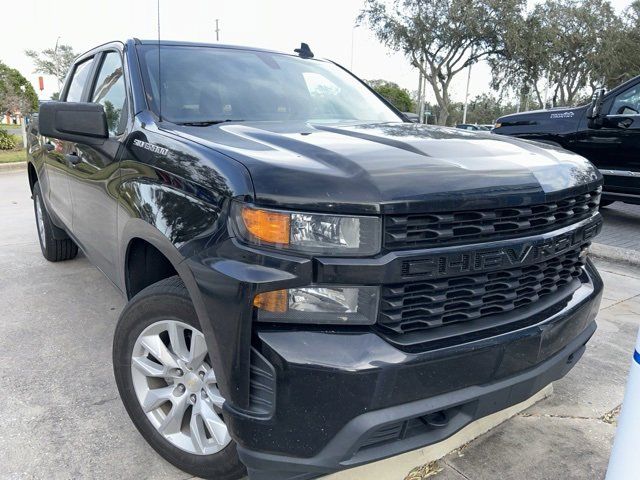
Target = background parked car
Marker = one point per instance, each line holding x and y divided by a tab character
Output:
474	127
607	132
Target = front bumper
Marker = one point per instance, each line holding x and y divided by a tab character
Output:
303	402
348	399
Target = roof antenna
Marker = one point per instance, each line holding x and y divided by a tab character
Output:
304	51
159	71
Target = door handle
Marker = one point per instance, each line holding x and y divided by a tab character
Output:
72	159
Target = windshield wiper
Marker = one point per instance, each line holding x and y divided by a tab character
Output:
206	123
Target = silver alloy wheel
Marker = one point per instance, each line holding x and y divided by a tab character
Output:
40	221
177	389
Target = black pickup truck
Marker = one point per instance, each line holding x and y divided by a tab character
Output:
607	132
313	282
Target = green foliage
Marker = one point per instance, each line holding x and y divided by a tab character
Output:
484	109
6	141
16	92
617	59
397	96
523	62
441	38
53	61
575	28
574	44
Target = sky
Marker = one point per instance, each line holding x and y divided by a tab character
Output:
328	26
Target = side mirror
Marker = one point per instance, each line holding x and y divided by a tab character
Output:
594	114
73	122
617	121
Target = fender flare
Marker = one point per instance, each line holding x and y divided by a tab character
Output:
137	228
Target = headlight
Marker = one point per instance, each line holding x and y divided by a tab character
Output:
313	233
319	305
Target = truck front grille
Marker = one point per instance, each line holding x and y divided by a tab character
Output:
464	227
433	303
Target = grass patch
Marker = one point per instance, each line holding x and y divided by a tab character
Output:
12	156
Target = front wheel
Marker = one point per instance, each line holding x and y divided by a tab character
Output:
168	385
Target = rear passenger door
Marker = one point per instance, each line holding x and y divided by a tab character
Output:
95	171
57	152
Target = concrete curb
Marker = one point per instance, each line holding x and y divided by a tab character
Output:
615	254
12	166
396	468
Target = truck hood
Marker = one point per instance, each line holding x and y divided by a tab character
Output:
392	167
556	120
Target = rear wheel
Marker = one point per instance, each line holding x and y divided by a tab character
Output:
53	249
168	385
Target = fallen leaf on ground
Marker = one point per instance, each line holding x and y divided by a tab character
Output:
424	471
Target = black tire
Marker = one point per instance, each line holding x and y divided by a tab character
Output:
166	299
606	203
52	249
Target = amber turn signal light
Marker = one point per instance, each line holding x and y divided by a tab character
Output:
267	226
275	301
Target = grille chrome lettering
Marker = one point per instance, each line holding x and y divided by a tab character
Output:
458	263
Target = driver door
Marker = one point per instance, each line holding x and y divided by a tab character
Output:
624	119
94	176
615	147
57	152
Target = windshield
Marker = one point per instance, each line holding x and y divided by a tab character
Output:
212	84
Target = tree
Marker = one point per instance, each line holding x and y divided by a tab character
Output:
617	59
566	46
393	93
524	61
16	92
484	109
576	28
53	61
442	38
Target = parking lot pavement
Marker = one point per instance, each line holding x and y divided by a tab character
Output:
621	226
61	418
60	414
569	434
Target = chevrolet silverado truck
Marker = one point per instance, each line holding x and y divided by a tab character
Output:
606	132
313	281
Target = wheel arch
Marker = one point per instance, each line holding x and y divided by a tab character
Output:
32	175
144	265
138	237
138	233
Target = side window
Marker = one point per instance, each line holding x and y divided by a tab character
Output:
627	103
80	75
110	92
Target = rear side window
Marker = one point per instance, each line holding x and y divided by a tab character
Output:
110	92
79	80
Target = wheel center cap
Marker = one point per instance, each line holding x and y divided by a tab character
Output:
192	382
